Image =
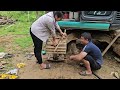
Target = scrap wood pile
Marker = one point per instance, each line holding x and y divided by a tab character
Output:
6	70
6	20
11	73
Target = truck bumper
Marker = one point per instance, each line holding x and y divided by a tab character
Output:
84	25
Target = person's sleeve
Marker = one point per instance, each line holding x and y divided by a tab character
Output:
87	49
51	27
57	26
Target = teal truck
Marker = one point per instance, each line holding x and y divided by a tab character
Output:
103	25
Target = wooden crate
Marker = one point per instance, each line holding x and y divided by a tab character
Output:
61	48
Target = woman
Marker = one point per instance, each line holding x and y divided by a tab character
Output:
41	30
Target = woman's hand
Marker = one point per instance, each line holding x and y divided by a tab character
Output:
64	35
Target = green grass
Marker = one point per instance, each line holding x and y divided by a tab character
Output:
17	28
22	24
21	15
1	49
23	42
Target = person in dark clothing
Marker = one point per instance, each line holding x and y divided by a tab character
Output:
90	56
41	30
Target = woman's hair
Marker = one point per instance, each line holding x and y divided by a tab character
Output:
59	14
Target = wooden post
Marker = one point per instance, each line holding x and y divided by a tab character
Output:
37	14
110	44
28	16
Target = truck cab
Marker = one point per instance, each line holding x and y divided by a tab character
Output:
91	20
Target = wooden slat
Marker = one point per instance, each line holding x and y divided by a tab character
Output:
61	48
50	52
64	41
56	37
54	47
61	45
51	42
57	49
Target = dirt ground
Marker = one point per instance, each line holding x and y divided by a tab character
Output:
63	70
59	70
